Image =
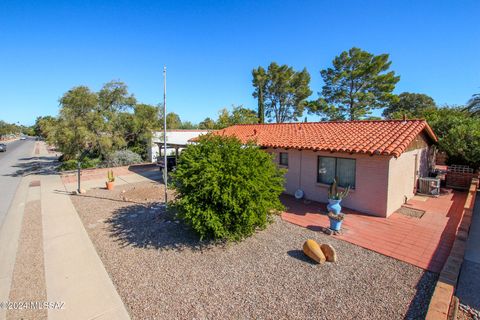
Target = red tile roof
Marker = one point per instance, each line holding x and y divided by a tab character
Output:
385	137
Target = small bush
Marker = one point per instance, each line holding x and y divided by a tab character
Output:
85	164
123	158
226	190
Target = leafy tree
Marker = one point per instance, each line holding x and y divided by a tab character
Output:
458	134
187	125
412	105
357	83
138	127
242	115
223	120
45	127
260	83
173	121
281	91
77	116
207	123
225	189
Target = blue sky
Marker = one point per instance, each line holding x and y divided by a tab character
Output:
210	48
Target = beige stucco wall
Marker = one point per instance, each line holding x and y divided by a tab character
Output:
370	194
403	175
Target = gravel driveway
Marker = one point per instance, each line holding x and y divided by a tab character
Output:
162	271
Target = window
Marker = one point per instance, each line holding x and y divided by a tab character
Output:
283	158
342	168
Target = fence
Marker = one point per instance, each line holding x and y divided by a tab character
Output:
459	177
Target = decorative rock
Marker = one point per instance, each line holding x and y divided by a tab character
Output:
329	252
313	251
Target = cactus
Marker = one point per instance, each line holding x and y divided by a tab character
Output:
333	191
110	176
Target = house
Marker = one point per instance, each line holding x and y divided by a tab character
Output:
381	160
177	140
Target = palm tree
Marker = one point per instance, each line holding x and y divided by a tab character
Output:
473	105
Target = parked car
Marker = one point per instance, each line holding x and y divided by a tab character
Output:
3	147
23	138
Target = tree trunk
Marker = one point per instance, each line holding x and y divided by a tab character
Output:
261	107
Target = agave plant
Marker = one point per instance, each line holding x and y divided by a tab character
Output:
333	192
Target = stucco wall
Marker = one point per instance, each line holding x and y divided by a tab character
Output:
403	175
370	194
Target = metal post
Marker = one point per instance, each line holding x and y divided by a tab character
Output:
78	175
165	164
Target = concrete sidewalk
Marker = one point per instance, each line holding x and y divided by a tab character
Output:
73	271
468	290
74	274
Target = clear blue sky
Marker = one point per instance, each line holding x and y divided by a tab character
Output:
210	48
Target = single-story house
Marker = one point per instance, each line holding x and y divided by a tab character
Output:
177	140
381	160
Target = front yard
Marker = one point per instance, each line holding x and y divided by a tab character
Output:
161	270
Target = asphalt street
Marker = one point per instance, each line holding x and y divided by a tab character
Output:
12	164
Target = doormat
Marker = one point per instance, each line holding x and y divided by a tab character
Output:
414	213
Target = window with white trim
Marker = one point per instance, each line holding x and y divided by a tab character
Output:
342	168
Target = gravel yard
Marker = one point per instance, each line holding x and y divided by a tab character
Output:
162	271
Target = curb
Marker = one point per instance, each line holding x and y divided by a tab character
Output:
439	307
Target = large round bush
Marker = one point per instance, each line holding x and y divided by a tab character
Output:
226	190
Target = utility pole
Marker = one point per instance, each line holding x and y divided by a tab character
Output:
165	165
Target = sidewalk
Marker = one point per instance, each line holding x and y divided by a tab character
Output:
468	290
46	254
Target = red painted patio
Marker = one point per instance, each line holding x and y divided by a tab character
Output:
424	242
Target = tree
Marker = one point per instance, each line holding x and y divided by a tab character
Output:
357	83
412	105
226	189
223	120
207	124
242	115
77	116
259	83
458	134
282	91
473	105
173	121
45	127
188	125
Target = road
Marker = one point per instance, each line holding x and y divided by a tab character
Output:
12	164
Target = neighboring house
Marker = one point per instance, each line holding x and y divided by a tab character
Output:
381	160
177	140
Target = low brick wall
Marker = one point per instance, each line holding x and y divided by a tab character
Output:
442	296
101	173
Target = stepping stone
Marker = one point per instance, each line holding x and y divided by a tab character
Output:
329	252
313	251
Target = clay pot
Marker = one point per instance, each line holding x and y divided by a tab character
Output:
109	185
313	251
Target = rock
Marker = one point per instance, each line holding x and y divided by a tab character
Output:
83	191
329	252
313	251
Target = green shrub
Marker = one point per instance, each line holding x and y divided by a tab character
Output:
226	190
123	158
85	164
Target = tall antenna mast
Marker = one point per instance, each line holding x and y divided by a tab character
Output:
165	165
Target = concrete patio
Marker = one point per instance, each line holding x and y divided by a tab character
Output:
424	242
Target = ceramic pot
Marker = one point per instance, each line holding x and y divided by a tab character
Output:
334	206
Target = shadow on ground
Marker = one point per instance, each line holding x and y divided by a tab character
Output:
425	286
299	255
151	226
35	165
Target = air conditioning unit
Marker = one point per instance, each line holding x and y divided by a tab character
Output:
429	186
